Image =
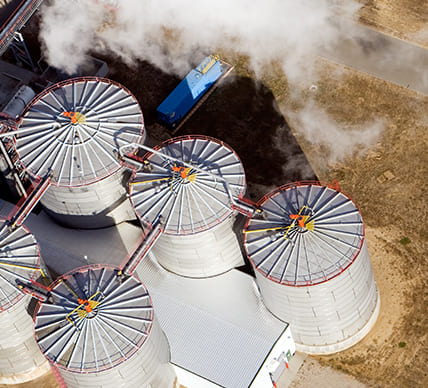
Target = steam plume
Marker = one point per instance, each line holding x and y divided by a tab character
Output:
318	128
167	33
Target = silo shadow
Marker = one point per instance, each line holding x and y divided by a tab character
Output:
243	113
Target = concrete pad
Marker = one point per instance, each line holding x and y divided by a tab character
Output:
313	374
382	56
64	249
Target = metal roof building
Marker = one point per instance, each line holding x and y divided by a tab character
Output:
220	333
99	329
312	266
72	132
20	264
193	206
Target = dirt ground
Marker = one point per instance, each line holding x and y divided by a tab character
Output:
388	181
313	374
389	185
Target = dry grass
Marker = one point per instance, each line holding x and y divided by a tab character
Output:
45	381
404	19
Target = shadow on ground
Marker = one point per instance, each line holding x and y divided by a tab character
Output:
242	112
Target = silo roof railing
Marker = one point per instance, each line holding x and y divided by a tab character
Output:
305	235
93	320
74	129
191	182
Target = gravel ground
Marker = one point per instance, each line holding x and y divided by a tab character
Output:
312	374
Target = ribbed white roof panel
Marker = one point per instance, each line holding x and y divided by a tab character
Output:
73	130
189	201
19	263
85	341
305	235
218	328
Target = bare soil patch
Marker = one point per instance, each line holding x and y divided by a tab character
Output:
46	381
313	374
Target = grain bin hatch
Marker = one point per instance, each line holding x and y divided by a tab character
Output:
189	201
73	130
19	263
306	235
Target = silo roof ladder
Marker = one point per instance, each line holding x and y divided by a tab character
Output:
143	249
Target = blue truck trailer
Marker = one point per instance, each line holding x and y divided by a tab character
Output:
190	90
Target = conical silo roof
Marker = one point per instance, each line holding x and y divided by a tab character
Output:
188	200
93	320
73	130
19	263
305	235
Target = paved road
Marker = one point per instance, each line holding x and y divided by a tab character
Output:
384	57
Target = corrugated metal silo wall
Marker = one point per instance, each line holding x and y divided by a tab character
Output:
331	316
96	205
19	352
148	368
208	253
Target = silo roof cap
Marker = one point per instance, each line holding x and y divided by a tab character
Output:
305	235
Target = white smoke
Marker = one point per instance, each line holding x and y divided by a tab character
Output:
337	141
168	33
67	32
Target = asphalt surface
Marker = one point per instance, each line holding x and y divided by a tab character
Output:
382	56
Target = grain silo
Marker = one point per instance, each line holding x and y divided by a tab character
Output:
98	329
193	204
72	131
20	264
312	266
